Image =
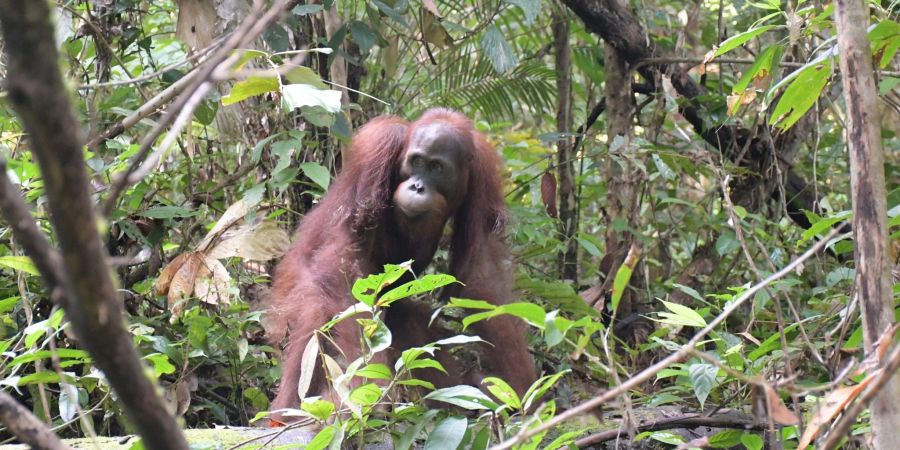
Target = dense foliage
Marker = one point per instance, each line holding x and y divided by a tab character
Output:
194	235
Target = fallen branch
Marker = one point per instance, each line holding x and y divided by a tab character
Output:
648	373
731	419
25	426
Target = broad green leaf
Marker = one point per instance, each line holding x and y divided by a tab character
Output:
498	50
800	95
885	38
447	434
503	392
366	394
161	364
703	379
305	75
822	225
409	435
529	312
727	243
739	39
427	283
375	371
21	263
298	95
317	173
303	10
368	288
752	441
466	397
323	439
726	439
759	74
318	408
250	87
471	304
392	13
362	35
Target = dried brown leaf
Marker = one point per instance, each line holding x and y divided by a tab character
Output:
833	403
779	413
161	286
213	282
230	217
182	284
548	194
257	242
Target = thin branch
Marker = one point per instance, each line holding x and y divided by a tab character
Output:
722	420
28	428
648	373
842	426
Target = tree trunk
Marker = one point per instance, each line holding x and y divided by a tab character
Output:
565	160
869	199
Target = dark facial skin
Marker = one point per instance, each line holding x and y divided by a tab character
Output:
433	173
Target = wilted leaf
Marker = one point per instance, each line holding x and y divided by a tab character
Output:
161	286
548	194
831	405
777	409
212	283
182	284
257	242
230	217
307	366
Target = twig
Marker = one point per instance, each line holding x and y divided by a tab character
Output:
723	420
649	372
28	428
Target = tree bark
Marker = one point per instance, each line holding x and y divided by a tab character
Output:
565	159
37	92
869	199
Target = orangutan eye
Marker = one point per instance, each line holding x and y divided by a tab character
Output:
435	166
417	162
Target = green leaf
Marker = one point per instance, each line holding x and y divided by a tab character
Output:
466	397
362	35
529	312
320	409
725	439
427	283
375	371
161	364
800	95
681	315
392	13
531	8
447	434
367	289
471	304
21	263
317	173
303	10
822	225
727	243
323	439
752	441
498	50
305	75
502	390
409	435
761	68
623	275
168	212
298	95
885	39
366	394
739	39
252	86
